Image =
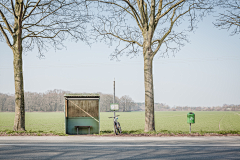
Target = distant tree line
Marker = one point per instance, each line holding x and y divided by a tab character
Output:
165	107
157	106
224	107
49	101
126	103
53	101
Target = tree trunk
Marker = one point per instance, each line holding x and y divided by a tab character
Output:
149	96
19	121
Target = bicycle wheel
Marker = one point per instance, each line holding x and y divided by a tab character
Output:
116	128
119	128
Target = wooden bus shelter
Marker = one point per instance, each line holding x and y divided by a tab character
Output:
82	114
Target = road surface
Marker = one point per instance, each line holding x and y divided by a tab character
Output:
93	147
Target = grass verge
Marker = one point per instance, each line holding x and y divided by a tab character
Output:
30	133
124	133
171	133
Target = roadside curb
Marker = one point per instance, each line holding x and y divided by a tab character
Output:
105	138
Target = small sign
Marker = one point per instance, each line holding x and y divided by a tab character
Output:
114	107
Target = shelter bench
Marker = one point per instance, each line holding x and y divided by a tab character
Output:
78	127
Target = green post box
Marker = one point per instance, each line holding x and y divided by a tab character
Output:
190	117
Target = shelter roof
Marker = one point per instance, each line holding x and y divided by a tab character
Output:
82	95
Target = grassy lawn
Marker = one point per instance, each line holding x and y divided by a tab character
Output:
131	121
176	121
35	121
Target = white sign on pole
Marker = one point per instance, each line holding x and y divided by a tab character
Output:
114	107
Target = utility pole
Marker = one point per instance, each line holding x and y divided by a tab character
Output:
114	94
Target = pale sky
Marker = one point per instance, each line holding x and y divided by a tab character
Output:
205	72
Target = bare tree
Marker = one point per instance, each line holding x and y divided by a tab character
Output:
106	100
147	26
230	19
126	102
25	24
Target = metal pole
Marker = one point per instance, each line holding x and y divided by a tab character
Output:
114	91
190	127
114	94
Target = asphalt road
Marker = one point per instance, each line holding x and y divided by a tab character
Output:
87	147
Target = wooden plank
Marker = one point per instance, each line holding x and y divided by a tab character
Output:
89	106
66	107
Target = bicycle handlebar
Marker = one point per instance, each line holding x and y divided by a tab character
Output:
115	116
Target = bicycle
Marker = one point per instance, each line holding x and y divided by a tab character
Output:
117	127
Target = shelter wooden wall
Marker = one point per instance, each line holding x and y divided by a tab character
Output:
90	106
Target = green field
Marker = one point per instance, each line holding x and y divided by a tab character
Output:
132	121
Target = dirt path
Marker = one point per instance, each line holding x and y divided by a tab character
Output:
220	122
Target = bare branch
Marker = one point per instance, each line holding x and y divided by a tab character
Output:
158	16
6	8
36	35
230	18
6	22
169	13
134	13
6	37
116	36
13	8
31	10
136	16
117	6
167	33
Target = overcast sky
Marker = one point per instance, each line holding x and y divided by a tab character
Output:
205	72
